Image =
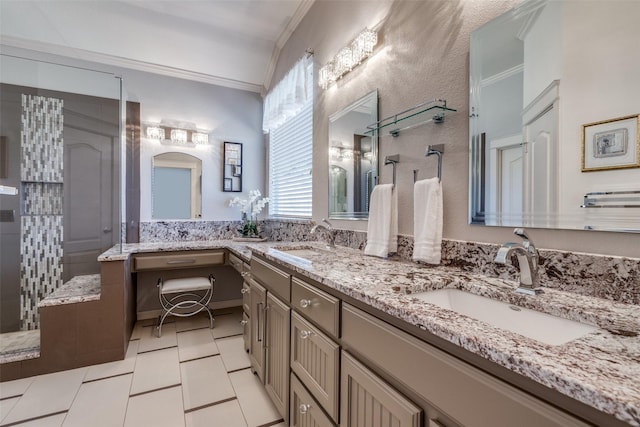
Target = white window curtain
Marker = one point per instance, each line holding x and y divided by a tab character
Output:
289	96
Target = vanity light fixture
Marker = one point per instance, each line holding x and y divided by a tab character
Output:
199	138
348	57
155	132
179	136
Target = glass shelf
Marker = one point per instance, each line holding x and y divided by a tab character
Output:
411	118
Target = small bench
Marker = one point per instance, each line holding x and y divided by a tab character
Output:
78	289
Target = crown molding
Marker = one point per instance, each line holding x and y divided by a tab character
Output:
293	23
128	63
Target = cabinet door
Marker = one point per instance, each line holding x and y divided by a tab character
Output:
257	329
368	401
276	379
315	359
305	411
246	332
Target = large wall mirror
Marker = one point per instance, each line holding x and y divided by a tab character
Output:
353	158
540	75
176	186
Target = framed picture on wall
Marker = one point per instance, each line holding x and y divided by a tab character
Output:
232	167
611	144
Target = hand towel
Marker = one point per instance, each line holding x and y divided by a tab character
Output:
427	221
382	230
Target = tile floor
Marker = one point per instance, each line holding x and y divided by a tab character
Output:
192	376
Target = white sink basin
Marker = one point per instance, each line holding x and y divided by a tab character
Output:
530	323
302	253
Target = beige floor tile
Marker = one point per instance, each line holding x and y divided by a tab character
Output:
139	330
6	405
233	354
198	321
14	388
196	344
52	421
111	369
227	414
149	341
48	394
100	403
227	325
162	408
253	399
155	370
205	381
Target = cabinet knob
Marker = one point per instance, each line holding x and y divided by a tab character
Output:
304	303
305	334
243	322
245	274
304	408
244	291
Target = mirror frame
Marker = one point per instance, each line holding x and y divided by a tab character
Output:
373	95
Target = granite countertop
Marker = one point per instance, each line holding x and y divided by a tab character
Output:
78	289
601	369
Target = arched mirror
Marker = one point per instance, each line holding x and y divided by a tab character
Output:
176	186
546	88
353	158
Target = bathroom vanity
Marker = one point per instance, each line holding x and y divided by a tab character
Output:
339	338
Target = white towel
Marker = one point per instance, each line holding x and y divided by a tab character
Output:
427	221
382	230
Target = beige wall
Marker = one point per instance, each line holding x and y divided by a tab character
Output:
423	53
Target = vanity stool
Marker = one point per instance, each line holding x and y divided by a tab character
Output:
185	297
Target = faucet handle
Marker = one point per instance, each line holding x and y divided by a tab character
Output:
528	244
326	221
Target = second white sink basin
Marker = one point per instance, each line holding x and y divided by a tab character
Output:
530	323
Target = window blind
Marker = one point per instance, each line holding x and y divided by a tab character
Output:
290	160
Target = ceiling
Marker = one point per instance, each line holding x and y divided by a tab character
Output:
233	43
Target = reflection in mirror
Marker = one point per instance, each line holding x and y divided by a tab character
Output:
534	84
353	158
176	186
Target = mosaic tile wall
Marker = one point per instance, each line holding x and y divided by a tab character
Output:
41	172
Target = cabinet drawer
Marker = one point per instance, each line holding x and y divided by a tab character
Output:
177	261
235	262
316	305
315	359
463	392
272	277
304	409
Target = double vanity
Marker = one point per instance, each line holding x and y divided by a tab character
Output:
339	338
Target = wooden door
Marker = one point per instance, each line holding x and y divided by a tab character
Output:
91	181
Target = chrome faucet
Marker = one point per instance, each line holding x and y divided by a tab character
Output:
329	228
528	259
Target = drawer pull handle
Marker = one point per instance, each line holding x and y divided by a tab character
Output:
305	334
304	408
181	261
244	291
305	303
245	274
243	322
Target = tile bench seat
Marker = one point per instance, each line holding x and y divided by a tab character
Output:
78	289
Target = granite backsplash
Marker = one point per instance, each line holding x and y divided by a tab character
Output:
612	278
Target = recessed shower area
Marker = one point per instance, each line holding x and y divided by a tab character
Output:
60	178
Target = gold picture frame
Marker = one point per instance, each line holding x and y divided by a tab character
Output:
611	144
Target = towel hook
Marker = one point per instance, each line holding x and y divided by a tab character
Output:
393	161
435	150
